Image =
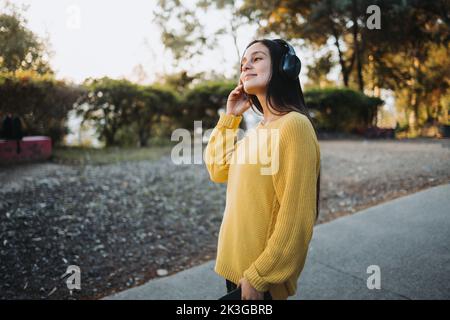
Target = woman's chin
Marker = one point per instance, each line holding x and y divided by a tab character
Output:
250	89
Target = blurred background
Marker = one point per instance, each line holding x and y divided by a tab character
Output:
91	91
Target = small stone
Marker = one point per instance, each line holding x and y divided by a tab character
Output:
160	246
162	272
99	247
51	292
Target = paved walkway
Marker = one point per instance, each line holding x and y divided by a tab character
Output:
408	238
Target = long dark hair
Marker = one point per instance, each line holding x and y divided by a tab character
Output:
283	95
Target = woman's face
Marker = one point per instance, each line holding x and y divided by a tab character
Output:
255	68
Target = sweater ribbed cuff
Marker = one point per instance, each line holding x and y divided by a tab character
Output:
229	121
252	275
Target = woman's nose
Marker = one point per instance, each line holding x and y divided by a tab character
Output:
247	65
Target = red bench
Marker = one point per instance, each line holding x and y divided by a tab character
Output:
31	148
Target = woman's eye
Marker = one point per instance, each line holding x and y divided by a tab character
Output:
253	60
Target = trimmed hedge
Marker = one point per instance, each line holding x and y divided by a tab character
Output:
345	110
125	113
40	101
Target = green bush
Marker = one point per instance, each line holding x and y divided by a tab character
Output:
338	109
39	100
202	103
125	113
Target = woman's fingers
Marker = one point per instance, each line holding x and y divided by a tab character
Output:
238	90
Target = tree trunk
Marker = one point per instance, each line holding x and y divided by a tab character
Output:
344	69
356	48
109	139
144	134
143	142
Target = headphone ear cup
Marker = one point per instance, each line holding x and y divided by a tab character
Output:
290	66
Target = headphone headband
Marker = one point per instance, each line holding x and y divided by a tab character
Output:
290	64
286	44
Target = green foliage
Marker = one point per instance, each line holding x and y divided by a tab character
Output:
155	113
179	81
20	49
125	113
41	101
203	102
342	109
182	31
145	115
317	74
105	102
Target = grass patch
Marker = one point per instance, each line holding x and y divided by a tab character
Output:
99	156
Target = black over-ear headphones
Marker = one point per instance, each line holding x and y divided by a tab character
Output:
290	64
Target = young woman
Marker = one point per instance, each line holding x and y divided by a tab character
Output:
269	218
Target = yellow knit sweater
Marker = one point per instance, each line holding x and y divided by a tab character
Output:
270	206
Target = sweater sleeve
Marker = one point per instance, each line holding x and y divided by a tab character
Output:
220	147
295	188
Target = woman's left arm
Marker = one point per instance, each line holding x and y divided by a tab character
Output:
295	187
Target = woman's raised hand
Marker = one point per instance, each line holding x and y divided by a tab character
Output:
238	102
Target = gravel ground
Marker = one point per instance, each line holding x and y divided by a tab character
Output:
126	223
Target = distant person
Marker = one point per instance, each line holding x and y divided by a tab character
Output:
12	129
7	127
269	216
